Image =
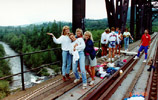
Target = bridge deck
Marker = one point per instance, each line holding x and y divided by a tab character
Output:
55	87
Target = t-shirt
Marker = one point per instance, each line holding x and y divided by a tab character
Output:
104	36
127	34
145	40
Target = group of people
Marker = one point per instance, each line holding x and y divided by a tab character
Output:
77	50
112	40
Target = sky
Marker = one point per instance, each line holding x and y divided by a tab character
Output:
21	12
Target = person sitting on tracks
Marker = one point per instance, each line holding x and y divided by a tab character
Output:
77	50
90	55
112	39
103	42
118	46
144	44
65	42
126	36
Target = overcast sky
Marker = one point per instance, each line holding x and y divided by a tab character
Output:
20	12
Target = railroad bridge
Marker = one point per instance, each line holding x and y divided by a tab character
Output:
143	13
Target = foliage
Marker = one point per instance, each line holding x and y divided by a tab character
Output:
4	71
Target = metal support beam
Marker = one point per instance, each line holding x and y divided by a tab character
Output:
118	13
78	14
124	14
132	18
110	13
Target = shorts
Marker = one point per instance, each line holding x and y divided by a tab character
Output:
103	45
89	61
112	44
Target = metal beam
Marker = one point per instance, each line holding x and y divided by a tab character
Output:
124	14
132	18
78	14
110	13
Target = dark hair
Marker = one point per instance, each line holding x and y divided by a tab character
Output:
112	29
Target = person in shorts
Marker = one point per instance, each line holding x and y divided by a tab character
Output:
103	42
90	59
112	39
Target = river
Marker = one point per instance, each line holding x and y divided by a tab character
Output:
15	65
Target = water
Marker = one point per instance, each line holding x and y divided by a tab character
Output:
15	65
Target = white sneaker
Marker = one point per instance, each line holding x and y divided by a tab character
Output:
136	57
84	85
112	59
144	60
109	59
116	56
91	83
105	56
102	56
76	80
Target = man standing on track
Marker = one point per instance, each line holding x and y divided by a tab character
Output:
144	44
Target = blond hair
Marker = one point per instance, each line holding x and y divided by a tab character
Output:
90	34
107	30
79	30
63	30
70	34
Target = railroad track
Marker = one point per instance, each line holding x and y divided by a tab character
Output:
105	89
152	87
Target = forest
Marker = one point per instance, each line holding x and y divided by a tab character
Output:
4	71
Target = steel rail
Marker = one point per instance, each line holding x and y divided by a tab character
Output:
150	81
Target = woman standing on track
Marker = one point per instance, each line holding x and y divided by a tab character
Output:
77	50
112	39
118	46
126	36
104	46
144	44
65	42
90	53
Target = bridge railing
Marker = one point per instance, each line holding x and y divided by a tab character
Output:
33	69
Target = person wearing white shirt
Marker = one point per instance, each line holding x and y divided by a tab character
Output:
65	42
112	39
118	46
77	49
104	37
126	36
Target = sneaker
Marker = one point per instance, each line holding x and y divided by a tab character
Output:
105	56
76	80
109	59
116	56
102	56
112	59
91	83
84	85
136	57
144	60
